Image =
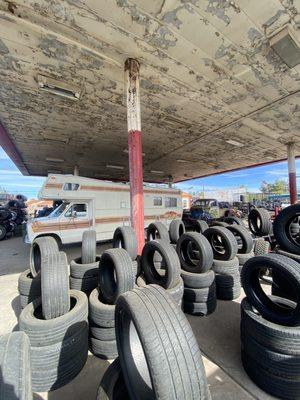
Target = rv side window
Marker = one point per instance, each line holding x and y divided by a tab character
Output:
80	210
71	186
170	202
157	201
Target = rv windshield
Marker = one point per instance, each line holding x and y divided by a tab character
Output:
59	210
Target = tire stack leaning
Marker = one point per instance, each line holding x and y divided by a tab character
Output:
116	276
225	263
270	328
84	271
196	258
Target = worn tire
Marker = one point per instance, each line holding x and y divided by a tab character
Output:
219	236
171	261
40	248
125	238
200	226
200	295
15	379
176	229
243	258
46	332
187	245
83	271
295	257
281	223
100	313
261	247
228	287
259	222
200	309
233	221
55	285
116	274
160	329
219	223
282	266
100	333
106	349
177	292
88	248
226	267
157	230
112	385
85	285
25	300
198	281
29	286
243	237
140	281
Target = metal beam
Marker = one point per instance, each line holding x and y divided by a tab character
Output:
132	67
292	172
10	149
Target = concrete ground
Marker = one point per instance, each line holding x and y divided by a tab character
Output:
217	336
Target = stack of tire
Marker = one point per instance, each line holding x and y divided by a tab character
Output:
159	357
157	231
56	324
116	276
125	238
29	287
196	259
270	328
225	263
84	271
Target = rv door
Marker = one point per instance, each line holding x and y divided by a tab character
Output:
75	220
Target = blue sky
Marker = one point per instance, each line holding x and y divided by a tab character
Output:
14	182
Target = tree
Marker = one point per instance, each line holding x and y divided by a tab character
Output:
278	187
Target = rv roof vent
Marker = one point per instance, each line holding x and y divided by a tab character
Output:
62	89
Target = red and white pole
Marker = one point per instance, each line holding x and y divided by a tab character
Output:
132	68
292	172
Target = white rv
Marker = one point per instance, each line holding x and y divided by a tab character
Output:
101	205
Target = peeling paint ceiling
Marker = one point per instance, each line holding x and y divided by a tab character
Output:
208	76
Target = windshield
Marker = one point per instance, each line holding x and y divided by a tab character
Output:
205	203
59	210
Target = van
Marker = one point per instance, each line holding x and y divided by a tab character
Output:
100	205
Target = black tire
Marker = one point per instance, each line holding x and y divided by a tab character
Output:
116	274
282	266
88	249
200	226
55	285
100	333
228	286
295	257
195	252
219	223
125	238
259	222
197	281
200	309
282	232
112	385
261	247
83	271
46	332
243	258
243	238
15	380
29	286
85	285
226	267
159	333
278	338
177	292
233	221
40	248
223	243
106	349
176	229
171	262
157	230
99	313
3	232
200	295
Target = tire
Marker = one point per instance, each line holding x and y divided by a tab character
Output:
219	223
40	248
223	243
157	230
116	274
88	249
259	222
135	267
3	232
200	226
200	309
83	271
99	313
228	287
171	261
277	338
112	385
261	247
281	229
125	238
25	300
226	267
163	337
197	281
176	229
233	221
28	286
177	292
243	258
15	380
55	285
243	238
106	349
282	266
103	334
46	332
85	285
295	257
200	295
140	281
187	245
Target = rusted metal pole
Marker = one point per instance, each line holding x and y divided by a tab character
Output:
132	68
292	172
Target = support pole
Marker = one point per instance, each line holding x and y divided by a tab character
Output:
76	170
132	68
292	173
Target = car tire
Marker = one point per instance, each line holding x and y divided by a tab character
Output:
176	229
200	309
88	249
219	236
103	334
29	286
125	238
259	222
106	349
243	237
200	295
40	248
261	247
3	232
281	229
228	287
100	313
198	281
226	267
243	258
200	226
157	230
83	271
177	292
112	385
